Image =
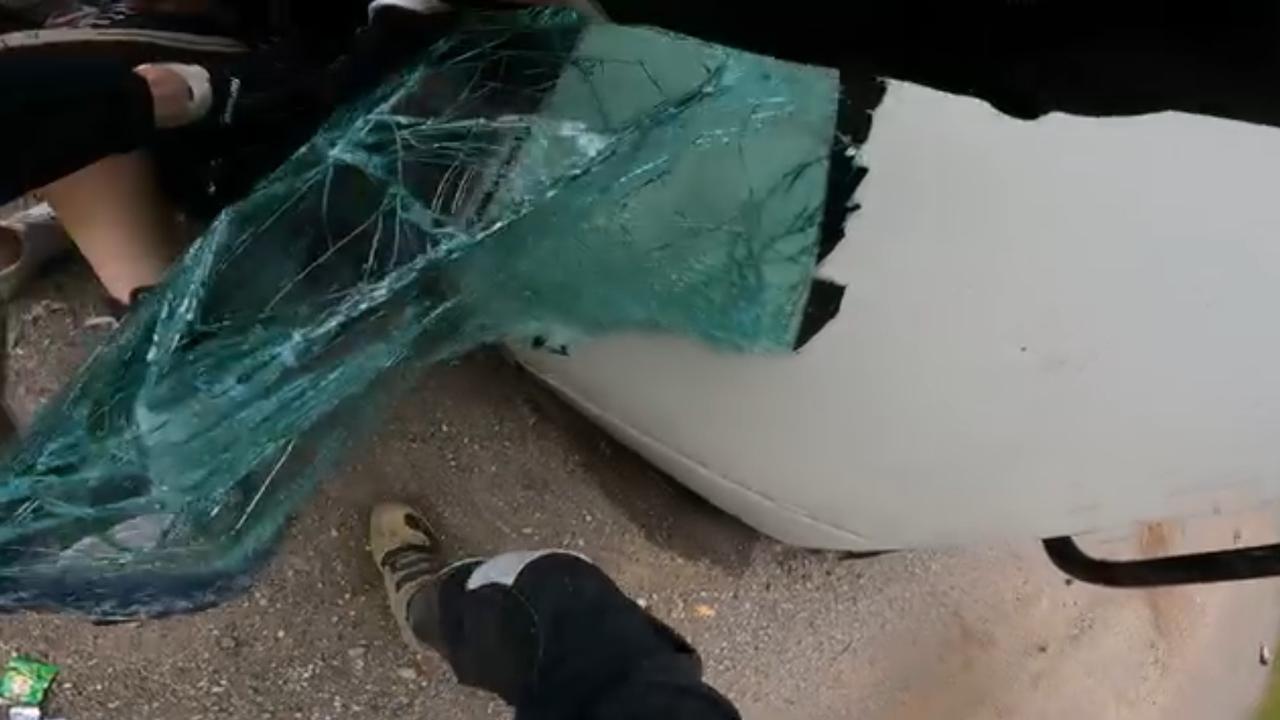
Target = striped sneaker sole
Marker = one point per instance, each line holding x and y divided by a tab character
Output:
31	39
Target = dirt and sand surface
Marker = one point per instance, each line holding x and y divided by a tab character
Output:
498	464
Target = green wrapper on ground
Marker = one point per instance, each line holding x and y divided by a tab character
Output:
25	681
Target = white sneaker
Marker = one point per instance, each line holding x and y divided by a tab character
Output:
41	238
424	7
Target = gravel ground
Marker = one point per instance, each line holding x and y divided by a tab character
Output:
498	464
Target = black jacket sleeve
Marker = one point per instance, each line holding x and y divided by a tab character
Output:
58	115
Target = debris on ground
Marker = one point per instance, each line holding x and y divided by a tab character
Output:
25	712
25	681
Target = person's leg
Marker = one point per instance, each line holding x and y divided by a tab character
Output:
123	225
548	632
110	200
113	208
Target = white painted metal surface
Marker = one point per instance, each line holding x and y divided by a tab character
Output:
1050	328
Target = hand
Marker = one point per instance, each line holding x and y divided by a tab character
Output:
181	93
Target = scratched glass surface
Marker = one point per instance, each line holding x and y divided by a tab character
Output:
531	179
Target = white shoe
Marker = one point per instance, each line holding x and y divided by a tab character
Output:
424	7
42	239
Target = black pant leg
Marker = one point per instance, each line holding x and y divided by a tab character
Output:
65	113
288	91
556	638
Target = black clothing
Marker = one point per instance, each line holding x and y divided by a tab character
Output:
560	641
1027	58
61	114
71	96
286	91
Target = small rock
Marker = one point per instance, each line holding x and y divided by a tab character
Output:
406	673
1264	655
357	652
279	634
226	642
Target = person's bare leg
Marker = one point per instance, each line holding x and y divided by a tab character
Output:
123	225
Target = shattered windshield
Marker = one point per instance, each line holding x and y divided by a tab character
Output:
531	179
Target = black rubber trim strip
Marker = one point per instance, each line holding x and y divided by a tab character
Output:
825	299
861	94
1198	569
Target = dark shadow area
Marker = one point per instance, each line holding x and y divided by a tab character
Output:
1027	58
669	514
